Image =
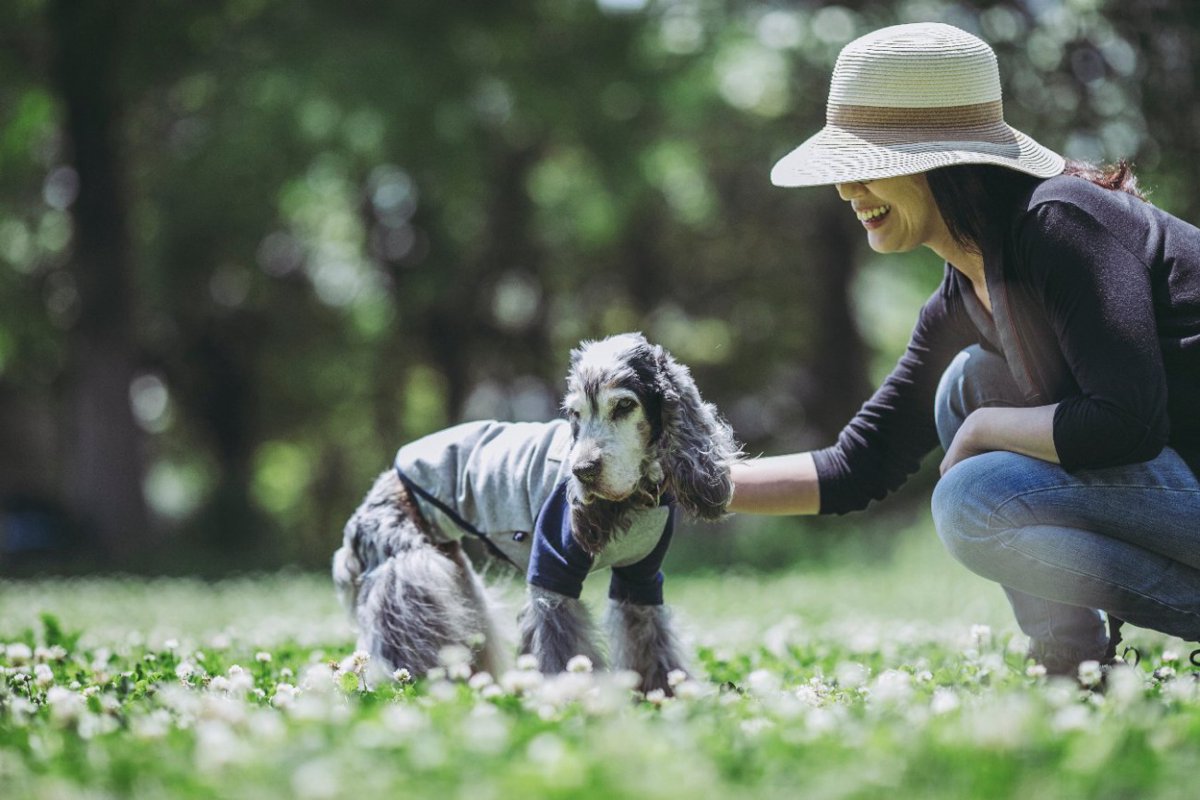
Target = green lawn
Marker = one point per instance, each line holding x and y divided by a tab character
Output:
858	680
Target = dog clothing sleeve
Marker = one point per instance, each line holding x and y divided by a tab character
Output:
641	583
557	563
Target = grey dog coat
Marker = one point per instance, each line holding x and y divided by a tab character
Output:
510	478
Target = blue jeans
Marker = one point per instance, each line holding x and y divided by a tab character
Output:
1063	545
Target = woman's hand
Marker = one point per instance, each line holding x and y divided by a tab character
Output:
1028	431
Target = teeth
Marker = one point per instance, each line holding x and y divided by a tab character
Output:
867	216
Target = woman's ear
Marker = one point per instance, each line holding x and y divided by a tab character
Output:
696	447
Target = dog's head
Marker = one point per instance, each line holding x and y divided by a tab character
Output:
638	428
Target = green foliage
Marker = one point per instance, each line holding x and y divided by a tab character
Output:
350	225
904	677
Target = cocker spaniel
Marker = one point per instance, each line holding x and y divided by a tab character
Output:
559	500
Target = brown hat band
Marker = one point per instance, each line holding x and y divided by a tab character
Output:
979	114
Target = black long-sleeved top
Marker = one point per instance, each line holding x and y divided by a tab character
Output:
1095	306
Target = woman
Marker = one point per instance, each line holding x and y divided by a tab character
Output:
1058	363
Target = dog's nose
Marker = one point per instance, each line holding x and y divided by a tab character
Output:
587	472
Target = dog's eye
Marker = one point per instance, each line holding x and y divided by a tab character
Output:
624	406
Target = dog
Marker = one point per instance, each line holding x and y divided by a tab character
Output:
596	489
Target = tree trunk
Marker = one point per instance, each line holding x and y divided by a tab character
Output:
104	459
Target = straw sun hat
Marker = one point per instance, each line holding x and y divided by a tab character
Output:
907	99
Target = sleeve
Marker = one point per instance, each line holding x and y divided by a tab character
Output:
556	561
884	443
641	583
1100	302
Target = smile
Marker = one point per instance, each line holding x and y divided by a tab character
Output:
872	214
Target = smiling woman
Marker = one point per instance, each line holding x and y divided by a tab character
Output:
1058	363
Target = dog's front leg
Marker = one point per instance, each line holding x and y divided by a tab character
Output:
555	628
644	641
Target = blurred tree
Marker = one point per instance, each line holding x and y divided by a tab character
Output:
104	464
248	247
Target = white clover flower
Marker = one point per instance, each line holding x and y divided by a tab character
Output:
216	745
402	676
285	695
1169	657
689	689
65	706
19	653
43	675
980	634
184	670
219	683
491	691
171	644
850	675
762	681
480	680
262	657
675	677
1125	684
154	725
521	681
579	663
892	686
286	673
92	725
756	725
1090	673
944	701
486	733
1071	718
458	672
22	709
527	661
1164	673
626	679
656	697
1035	671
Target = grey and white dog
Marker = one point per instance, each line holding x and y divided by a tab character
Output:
560	499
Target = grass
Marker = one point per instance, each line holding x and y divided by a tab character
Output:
902	678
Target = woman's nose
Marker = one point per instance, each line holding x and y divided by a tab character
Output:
849	191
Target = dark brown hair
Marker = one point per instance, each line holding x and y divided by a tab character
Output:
969	195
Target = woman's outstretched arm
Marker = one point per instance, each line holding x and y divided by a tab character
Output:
776	485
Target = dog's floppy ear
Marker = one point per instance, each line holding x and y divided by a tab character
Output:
697	446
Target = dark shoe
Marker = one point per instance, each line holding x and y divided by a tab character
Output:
1059	660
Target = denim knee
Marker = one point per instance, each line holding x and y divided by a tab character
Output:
964	502
974	379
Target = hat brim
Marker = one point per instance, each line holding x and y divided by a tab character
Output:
840	155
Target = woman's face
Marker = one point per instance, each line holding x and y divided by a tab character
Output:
899	214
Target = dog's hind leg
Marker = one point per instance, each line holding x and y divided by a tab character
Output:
644	641
412	606
554	628
487	650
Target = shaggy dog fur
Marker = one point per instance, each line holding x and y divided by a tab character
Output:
639	430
